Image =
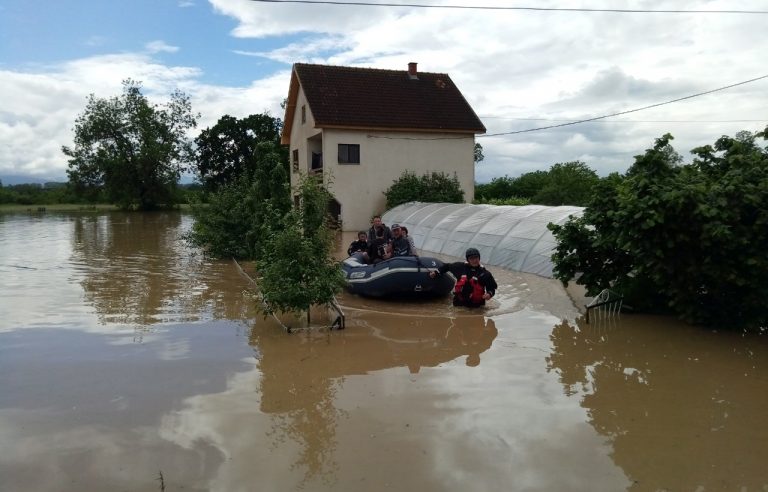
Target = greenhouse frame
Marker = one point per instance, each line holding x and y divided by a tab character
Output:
512	237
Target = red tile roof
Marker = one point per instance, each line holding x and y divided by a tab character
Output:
369	98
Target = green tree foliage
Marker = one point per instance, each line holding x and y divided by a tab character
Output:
528	184
568	183
230	148
41	194
240	213
499	188
135	150
296	267
430	187
478	153
503	201
688	237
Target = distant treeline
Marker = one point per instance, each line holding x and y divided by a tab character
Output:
568	183
55	193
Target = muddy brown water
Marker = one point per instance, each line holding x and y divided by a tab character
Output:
125	355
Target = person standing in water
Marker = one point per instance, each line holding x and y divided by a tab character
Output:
474	284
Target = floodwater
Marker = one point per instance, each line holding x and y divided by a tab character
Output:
131	362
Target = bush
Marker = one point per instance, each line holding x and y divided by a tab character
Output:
296	266
691	235
430	187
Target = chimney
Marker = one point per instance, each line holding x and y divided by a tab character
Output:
412	74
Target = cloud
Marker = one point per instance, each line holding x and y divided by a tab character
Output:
259	20
96	41
160	47
307	50
40	108
510	65
185	4
552	65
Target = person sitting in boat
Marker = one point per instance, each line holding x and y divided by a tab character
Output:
399	246
410	240
377	247
361	245
474	284
375	224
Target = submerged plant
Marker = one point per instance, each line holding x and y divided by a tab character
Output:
296	267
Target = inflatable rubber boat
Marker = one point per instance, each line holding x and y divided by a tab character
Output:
402	276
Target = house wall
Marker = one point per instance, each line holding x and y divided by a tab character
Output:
300	132
384	156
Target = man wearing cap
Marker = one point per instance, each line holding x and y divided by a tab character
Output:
399	246
474	284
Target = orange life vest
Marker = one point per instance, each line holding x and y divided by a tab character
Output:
476	290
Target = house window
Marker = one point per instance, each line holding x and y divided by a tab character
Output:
303	114
295	160
349	153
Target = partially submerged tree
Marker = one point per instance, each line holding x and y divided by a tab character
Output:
296	267
690	238
132	148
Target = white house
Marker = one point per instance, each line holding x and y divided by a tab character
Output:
361	128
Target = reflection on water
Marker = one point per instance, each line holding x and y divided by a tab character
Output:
683	407
300	377
137	269
130	269
411	396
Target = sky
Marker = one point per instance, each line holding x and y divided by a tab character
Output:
518	69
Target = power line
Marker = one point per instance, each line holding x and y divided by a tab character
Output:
628	111
539	9
487	117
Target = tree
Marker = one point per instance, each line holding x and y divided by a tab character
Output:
430	187
498	188
241	213
528	184
478	153
229	148
135	150
689	238
568	183
296	267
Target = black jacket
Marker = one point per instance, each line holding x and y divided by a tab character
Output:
372	233
401	247
484	278
357	246
376	249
